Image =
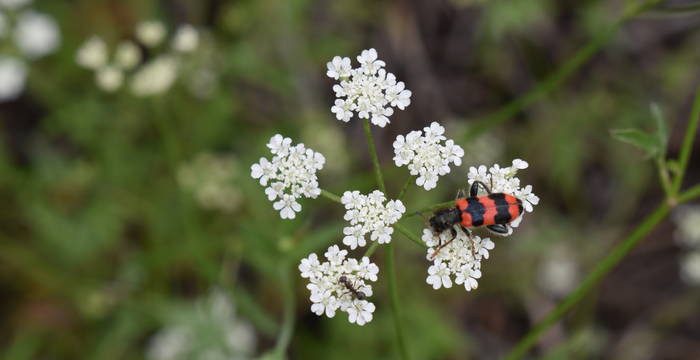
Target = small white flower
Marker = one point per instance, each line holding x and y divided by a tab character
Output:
291	173
127	55
368	214
186	39
687	219
211	179
150	33
558	272
13	74
368	91
92	54
339	68
155	77
329	294
109	78
504	180
460	258
36	34
426	156
690	268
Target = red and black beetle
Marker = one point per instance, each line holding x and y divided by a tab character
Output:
495	211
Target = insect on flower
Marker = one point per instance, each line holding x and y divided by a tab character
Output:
359	295
495	211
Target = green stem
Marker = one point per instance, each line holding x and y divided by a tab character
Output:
614	257
405	186
373	155
394	298
371	249
665	180
558	77
688	140
285	336
690	194
331	196
410	235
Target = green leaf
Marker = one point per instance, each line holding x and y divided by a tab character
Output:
661	129
639	139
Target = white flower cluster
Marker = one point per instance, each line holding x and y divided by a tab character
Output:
25	35
211	178
340	283
227	336
369	90
153	77
428	154
291	174
687	218
369	214
503	180
460	258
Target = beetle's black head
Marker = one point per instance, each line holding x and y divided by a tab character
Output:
444	219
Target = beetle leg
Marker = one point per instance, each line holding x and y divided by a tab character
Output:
471	239
474	191
460	194
440	246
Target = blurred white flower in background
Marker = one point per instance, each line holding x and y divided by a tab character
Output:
93	54
291	174
155	77
460	258
109	78
186	39
368	91
211	179
36	34
151	33
13	74
207	329
558	271
687	234
340	283
427	154
368	214
25	35
146	77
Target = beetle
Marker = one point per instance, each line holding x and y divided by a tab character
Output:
495	211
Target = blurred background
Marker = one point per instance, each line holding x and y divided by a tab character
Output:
130	226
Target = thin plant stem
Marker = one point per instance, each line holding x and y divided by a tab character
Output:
614	257
285	336
405	186
393	292
665	180
617	254
687	146
331	196
559	76
371	249
394	299
373	155
410	235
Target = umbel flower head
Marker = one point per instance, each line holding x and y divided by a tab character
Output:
427	154
460	258
368	214
340	283
368	91
211	179
291	174
503	180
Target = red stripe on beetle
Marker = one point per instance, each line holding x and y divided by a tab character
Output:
491	210
462	204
